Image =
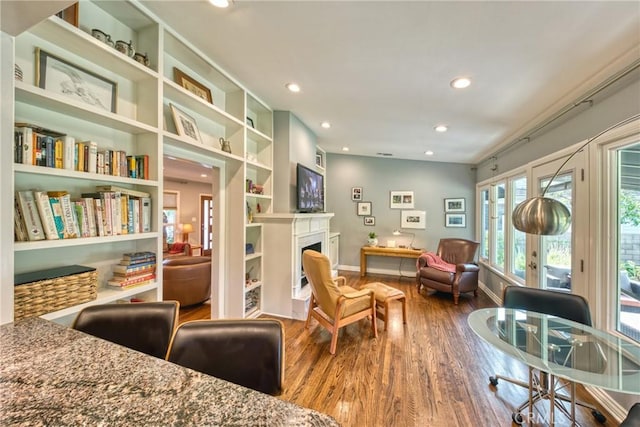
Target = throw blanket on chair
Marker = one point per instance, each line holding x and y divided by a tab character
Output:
438	263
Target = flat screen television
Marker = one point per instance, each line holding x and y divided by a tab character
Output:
310	189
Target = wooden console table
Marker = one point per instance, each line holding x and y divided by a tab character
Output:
388	252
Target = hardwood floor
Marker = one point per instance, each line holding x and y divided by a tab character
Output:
433	371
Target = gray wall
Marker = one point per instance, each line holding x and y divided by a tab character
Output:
294	143
431	183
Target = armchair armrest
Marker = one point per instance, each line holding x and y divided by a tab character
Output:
340	280
421	262
358	294
469	267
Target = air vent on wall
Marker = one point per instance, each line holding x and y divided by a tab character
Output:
385	154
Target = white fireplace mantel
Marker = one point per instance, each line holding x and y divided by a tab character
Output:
284	237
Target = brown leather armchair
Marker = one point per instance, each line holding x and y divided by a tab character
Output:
186	279
459	252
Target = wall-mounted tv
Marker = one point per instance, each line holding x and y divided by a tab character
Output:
310	189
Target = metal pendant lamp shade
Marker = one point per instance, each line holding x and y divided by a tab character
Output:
541	215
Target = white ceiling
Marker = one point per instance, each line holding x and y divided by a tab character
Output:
379	71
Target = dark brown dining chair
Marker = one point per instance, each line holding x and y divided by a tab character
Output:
248	352
146	327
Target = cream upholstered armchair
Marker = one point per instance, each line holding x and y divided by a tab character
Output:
333	305
450	269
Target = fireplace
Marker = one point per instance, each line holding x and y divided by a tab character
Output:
315	247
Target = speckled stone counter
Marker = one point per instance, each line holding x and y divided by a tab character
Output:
55	376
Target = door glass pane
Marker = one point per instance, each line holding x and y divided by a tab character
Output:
484	224
207	224
500	225
628	194
518	247
556	250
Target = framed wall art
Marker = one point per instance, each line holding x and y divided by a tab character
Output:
185	124
455	220
454	205
364	208
401	200
356	193
413	219
193	86
61	76
369	220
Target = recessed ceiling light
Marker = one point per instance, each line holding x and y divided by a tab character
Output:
219	3
460	82
204	175
293	87
429	153
345	148
325	125
440	128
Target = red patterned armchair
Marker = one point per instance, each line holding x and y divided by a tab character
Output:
451	269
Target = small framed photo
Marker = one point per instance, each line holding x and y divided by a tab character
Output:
413	219
193	86
369	220
61	76
250	122
364	208
185	124
401	200
454	205
319	160
455	220
356	194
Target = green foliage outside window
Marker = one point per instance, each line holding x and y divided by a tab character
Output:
630	207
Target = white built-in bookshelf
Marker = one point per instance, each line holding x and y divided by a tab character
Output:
141	125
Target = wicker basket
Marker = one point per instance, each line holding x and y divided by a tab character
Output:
48	295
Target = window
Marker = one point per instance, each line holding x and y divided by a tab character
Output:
517	248
502	246
627	195
169	216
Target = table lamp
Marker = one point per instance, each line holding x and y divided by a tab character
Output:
186	229
413	236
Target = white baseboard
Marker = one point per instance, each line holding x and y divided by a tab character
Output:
495	298
383	271
613	407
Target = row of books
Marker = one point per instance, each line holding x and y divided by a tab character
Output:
109	211
135	269
44	147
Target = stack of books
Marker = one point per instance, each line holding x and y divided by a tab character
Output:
135	269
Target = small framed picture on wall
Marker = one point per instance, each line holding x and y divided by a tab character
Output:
364	208
455	220
356	193
454	205
369	220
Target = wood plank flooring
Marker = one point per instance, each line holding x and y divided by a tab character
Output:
433	371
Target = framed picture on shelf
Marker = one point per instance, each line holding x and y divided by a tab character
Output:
454	205
319	160
401	200
61	76
193	86
364	208
70	14
413	219
185	124
356	194
250	122
455	220
369	220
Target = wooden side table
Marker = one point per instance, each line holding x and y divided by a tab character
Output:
387	252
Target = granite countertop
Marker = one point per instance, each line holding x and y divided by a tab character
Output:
53	375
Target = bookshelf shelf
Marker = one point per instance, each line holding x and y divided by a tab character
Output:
252	286
41	170
80	241
253	256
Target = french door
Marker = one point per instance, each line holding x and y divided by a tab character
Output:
558	262
206	227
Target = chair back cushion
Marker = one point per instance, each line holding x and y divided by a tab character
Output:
317	268
248	352
145	327
554	303
457	251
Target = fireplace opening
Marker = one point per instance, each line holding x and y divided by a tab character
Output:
316	247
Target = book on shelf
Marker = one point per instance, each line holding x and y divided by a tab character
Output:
134	269
83	217
29	210
145	214
46	215
137	256
128	191
131	282
58	219
58	152
25	134
69	216
92	156
69	144
19	227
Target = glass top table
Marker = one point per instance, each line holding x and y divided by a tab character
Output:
563	348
